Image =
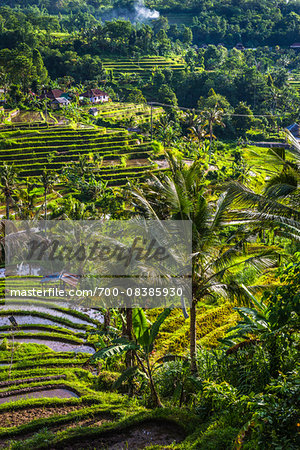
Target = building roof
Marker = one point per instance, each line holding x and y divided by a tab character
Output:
53	94
61	100
94	93
295	45
294	129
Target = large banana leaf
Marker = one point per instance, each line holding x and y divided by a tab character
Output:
125	376
148	338
140	323
115	349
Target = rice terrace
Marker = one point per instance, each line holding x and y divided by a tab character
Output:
150	224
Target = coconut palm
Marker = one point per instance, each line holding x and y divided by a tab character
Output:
198	133
8	183
213	117
180	196
26	206
190	119
71	208
47	178
165	130
278	205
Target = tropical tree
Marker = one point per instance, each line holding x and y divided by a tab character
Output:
190	119
213	116
8	183
26	206
47	178
180	196
271	320
142	344
243	118
71	208
198	133
4	81
166	130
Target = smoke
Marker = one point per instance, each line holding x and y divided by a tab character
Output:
143	13
138	13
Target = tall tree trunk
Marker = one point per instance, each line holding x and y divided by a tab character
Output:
155	397
7	207
210	139
106	319
45	209
193	337
129	354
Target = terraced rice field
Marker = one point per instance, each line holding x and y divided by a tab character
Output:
49	388
118	112
143	66
52	393
58	391
29	146
294	80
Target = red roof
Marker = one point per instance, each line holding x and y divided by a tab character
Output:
94	93
53	94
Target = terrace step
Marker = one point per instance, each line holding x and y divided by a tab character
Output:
29	380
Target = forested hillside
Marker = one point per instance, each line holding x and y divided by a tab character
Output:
255	22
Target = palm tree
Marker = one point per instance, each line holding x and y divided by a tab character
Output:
285	179
8	183
181	197
26	204
77	90
165	130
71	208
47	178
190	119
198	133
213	117
278	205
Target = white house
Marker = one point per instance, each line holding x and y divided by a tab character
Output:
95	96
60	102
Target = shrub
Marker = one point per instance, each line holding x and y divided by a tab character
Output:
106	379
4	344
217	436
256	135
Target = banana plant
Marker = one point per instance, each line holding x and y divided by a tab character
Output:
142	346
258	326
